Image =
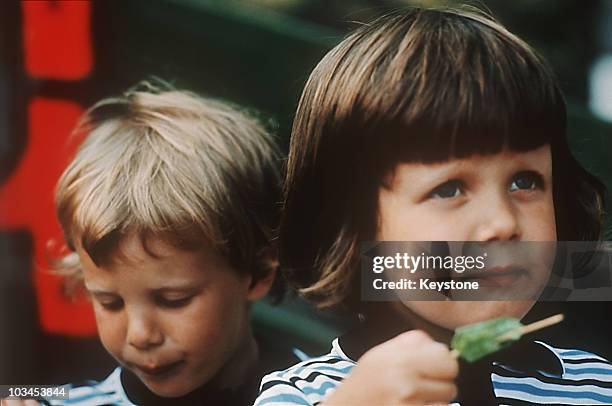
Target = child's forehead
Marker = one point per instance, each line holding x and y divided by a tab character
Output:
135	249
141	246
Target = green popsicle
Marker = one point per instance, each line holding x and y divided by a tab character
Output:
475	341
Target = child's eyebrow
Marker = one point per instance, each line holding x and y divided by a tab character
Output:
438	175
176	288
446	167
99	292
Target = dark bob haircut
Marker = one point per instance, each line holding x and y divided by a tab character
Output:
422	85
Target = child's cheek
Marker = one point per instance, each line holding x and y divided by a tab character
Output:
541	222
110	331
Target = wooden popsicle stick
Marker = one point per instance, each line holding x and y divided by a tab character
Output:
530	328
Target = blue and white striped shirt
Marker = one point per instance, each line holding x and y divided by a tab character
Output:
107	392
586	379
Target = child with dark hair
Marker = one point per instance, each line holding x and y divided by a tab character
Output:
430	125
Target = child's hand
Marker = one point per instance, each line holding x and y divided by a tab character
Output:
408	369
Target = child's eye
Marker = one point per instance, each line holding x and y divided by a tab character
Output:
447	190
112	305
527	180
173	303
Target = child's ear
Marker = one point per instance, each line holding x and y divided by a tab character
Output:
268	262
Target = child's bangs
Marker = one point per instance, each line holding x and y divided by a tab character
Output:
464	122
449	86
102	236
132	183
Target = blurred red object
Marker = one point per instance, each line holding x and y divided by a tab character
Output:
57	46
26	201
57	39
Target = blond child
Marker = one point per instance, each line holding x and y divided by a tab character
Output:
170	207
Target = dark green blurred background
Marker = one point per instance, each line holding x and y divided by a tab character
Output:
259	52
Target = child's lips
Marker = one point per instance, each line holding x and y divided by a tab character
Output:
498	277
154	370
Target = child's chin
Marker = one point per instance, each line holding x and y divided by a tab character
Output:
173	389
477	311
169	385
453	314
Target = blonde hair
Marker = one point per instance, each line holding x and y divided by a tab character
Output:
169	164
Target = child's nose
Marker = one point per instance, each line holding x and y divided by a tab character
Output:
143	332
498	220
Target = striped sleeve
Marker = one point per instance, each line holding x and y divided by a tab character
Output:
586	380
107	392
277	391
307	383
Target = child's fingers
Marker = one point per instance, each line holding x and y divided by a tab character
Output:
438	391
442	365
432	392
435	357
412	336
